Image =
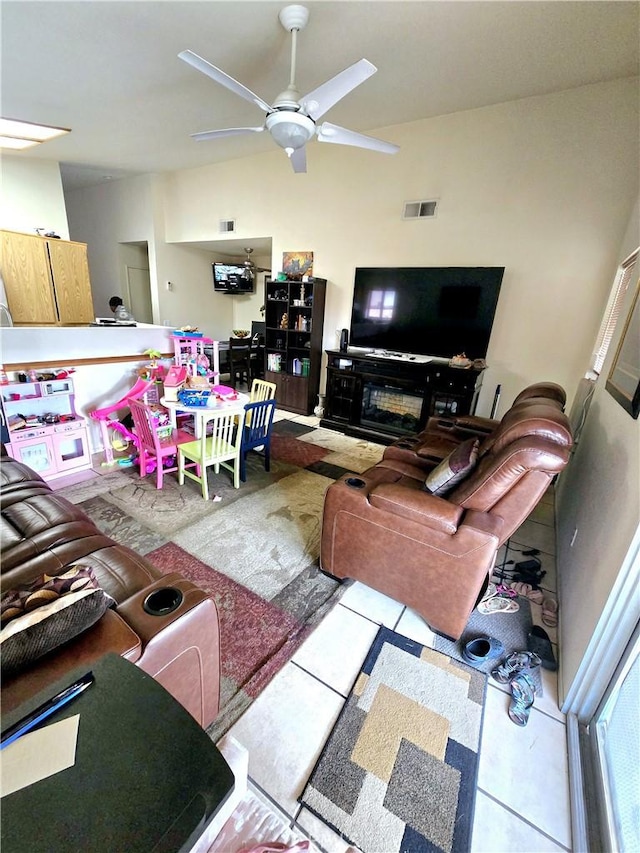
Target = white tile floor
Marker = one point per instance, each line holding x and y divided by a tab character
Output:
522	802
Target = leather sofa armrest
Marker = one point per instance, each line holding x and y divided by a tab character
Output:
475	425
180	648
111	633
485	522
416	505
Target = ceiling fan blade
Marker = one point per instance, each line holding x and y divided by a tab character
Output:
327	132
227	131
316	103
224	79
299	160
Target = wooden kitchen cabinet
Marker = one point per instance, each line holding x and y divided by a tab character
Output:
46	280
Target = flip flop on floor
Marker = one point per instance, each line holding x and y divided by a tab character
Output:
550	612
490	592
522	696
538	641
497	604
527	590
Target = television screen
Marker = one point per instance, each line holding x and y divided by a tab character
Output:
438	311
232	278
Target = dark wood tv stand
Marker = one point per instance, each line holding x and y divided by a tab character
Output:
382	398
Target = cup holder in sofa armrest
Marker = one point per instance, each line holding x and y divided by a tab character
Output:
355	482
162	601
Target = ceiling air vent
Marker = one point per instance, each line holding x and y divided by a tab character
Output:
227	226
420	209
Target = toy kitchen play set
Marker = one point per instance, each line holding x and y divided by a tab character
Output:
40	426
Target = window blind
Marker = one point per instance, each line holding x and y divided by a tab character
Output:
612	313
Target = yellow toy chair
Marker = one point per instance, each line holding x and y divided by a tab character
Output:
262	390
221	447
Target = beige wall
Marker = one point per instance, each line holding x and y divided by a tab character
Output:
32	196
599	497
121	212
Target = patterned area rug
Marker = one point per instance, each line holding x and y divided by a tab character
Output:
398	772
255	550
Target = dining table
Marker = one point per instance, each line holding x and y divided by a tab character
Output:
201	414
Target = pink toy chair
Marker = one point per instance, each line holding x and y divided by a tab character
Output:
150	445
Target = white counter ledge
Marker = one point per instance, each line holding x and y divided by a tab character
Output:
62	345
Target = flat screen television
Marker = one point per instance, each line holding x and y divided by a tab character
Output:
232	278
437	311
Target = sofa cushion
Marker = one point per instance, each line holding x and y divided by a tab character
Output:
43	615
453	468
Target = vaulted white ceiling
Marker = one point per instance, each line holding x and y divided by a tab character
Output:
110	71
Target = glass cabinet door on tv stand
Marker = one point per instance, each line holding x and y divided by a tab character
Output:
294	319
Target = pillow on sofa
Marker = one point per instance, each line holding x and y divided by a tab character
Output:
41	616
454	468
45	589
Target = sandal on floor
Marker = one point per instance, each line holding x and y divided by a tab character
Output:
527	590
506	591
482	649
497	604
516	663
522	696
490	592
550	612
539	643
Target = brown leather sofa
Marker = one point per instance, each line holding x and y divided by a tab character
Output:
436	553
44	533
441	435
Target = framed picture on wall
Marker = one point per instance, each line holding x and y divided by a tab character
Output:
623	382
297	264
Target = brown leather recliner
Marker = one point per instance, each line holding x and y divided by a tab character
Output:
41	532
435	554
441	435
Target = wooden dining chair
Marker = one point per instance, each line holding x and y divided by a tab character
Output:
256	357
239	360
218	445
155	443
256	434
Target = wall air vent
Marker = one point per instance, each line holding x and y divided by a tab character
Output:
420	209
227	226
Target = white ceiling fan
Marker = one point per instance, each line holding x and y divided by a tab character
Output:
291	119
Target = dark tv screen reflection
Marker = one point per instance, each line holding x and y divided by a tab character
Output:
438	311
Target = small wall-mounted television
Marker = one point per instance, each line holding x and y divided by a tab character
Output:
437	311
232	278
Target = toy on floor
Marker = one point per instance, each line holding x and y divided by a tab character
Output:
108	418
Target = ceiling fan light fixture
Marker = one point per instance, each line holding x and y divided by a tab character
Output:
290	130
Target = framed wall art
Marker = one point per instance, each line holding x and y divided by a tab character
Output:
623	382
297	264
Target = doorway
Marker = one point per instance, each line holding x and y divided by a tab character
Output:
139	295
136	280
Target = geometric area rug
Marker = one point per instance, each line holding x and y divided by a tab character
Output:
399	769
